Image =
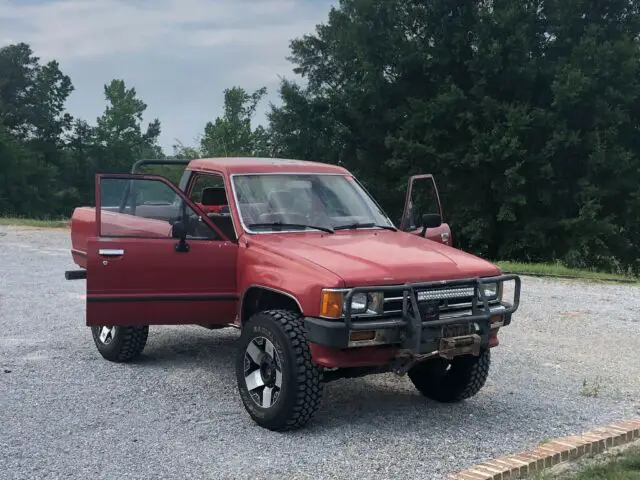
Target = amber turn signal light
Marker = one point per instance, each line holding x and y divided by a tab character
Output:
331	304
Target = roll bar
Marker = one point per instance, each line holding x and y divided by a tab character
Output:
135	168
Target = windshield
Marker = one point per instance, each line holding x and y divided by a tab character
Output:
305	201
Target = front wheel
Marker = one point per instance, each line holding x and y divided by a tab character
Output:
451	380
280	387
120	344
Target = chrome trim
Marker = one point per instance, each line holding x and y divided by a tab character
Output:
466	313
111	252
393	299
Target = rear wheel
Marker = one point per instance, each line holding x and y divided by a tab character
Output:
280	387
120	344
451	380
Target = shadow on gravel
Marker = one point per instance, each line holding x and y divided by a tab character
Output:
180	348
382	400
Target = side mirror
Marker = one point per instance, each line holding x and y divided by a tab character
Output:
430	220
179	231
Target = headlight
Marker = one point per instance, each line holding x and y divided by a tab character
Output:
493	291
370	303
359	303
333	303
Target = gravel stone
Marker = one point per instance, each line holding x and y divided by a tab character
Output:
176	413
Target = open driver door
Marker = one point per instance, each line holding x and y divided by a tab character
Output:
423	212
156	259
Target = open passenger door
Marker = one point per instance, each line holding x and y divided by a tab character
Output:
156	258
423	212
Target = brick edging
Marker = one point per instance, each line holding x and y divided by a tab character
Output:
552	453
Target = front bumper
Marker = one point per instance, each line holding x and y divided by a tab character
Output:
414	330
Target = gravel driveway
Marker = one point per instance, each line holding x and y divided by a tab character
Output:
67	413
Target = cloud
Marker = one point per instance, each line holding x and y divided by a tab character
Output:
179	54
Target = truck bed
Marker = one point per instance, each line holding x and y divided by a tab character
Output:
113	224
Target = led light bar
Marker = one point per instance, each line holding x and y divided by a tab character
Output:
441	294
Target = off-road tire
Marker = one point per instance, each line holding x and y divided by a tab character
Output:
302	388
126	344
465	377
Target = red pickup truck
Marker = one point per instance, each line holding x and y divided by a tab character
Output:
300	258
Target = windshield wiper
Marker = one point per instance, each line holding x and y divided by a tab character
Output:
290	225
365	225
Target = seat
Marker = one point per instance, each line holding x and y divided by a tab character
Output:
280	200
214	197
214	204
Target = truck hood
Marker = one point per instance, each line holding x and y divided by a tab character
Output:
375	257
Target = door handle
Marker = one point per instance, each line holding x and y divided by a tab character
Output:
111	252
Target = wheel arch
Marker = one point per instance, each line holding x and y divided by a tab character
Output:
258	297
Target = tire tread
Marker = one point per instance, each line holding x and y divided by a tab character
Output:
127	345
307	384
133	342
310	388
465	379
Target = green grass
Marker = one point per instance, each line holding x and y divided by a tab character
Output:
539	269
618	464
30	222
557	270
626	466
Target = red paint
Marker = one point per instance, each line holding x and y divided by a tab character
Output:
493	339
299	264
351	357
151	268
373	257
210	208
229	165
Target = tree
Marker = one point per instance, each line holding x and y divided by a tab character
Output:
231	134
120	132
33	122
526	112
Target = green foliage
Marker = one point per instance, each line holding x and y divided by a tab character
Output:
621	465
231	135
527	113
561	271
48	159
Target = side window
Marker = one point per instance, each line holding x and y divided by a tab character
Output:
208	191
204	187
423	200
146	208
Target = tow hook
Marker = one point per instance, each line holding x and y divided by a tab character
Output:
449	348
406	359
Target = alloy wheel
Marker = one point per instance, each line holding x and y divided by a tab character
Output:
107	334
262	372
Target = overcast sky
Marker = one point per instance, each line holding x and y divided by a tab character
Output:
178	54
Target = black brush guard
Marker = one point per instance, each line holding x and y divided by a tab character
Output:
418	336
